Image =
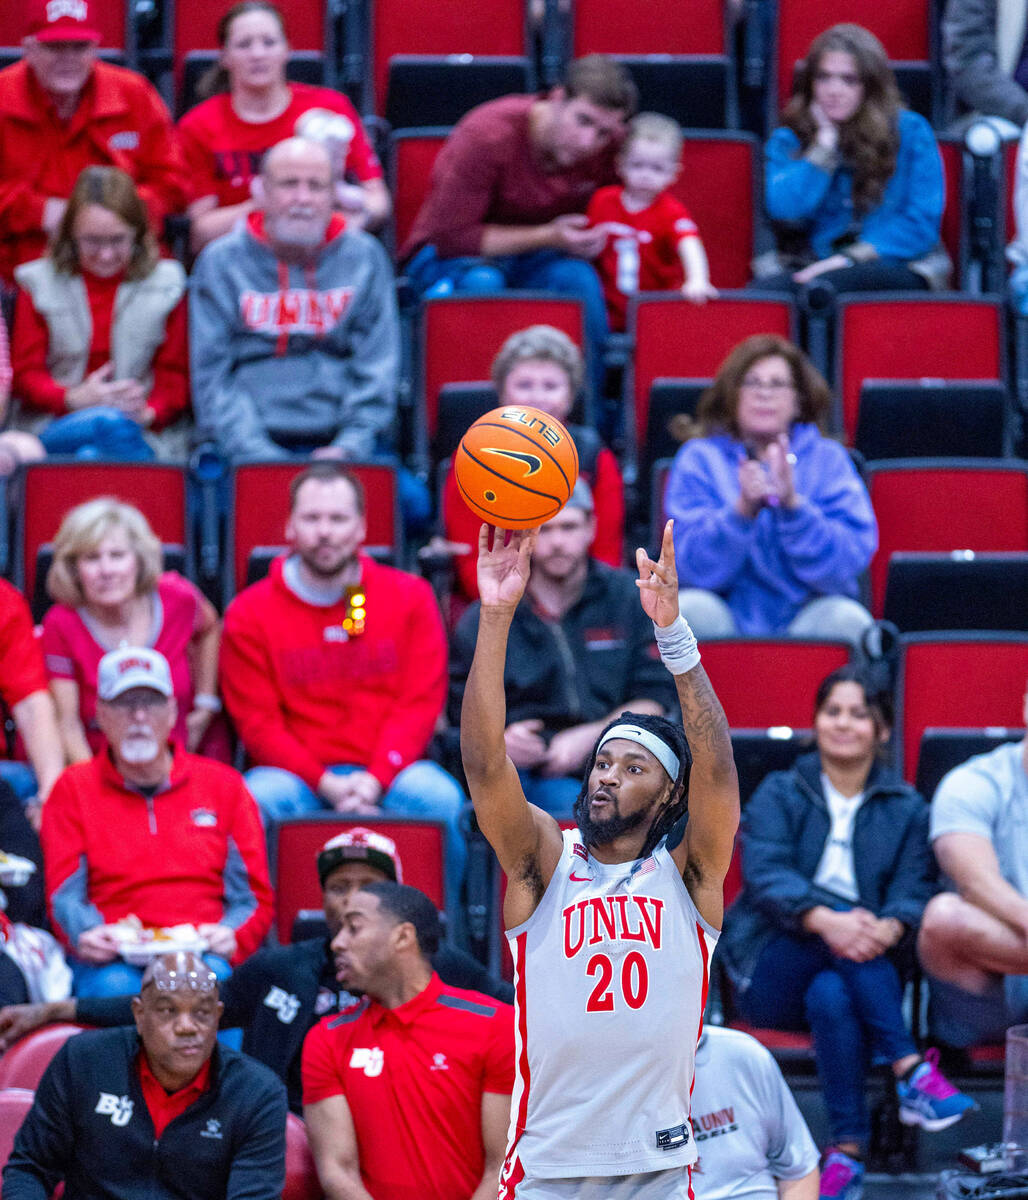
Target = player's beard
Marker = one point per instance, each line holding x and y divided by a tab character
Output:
603	832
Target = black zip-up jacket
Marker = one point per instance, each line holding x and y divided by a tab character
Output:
273	997
89	1126
601	654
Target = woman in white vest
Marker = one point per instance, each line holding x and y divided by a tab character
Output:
99	341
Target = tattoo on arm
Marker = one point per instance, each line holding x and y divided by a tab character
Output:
703	718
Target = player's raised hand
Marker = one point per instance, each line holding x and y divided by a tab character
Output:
658	581
504	564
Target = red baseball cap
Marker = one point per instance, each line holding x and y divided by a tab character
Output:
62	21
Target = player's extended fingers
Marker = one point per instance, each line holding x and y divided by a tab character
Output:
667	543
485	533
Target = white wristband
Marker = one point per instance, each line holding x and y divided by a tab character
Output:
677	645
207	702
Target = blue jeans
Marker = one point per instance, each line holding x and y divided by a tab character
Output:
421	790
540	270
555	796
99	432
120	978
20	778
854	1012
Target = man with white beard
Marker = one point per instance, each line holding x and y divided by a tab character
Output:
293	328
145	830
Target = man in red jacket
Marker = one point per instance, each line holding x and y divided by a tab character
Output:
333	670
146	830
62	110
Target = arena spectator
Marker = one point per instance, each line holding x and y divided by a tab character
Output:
986	59
836	874
652	243
147	830
853	179
160	1110
1017	251
440	1064
293	323
542	367
972	942
281	992
581	653
334	698
773	525
61	109
100	356
24	690
250	107
511	187
752	1140
109	589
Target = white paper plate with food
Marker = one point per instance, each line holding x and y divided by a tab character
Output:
15	871
139	943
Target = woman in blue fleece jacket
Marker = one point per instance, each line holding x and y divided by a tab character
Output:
773	525
853	179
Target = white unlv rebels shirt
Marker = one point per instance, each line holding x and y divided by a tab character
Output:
610	979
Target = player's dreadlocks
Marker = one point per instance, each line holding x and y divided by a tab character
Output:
677	804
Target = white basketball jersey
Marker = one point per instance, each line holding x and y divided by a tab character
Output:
610	979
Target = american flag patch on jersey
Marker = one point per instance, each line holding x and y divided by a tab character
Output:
649	865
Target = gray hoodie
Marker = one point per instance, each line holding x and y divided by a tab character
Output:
303	355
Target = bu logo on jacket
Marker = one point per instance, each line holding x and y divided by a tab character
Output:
118	1108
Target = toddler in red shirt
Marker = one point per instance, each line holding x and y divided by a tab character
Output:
652	244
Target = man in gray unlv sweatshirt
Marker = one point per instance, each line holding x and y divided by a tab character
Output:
293	326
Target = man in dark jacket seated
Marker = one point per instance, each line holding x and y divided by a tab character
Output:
158	1111
281	992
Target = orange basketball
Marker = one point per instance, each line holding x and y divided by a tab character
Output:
516	467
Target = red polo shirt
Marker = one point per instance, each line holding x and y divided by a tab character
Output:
20	653
413	1078
165	1106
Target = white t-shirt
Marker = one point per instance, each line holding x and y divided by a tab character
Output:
835	872
749	1132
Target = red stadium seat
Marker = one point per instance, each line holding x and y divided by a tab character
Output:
260	508
23	1064
767	682
443	28
297	840
675	338
301	1174
14	1106
414	154
914	336
460	336
647	27
46	491
957	680
903	28
945	504
1009	179
718	186
952	152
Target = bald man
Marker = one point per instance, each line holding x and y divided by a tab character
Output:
293	325
161	1110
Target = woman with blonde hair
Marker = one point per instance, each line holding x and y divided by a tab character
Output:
110	590
853	179
99	344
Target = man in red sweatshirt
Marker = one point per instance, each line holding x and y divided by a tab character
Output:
333	670
144	829
62	110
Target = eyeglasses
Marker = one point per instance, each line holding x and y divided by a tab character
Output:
93	245
148	701
754	384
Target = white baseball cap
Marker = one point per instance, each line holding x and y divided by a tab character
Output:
132	667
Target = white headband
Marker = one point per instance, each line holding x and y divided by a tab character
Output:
660	750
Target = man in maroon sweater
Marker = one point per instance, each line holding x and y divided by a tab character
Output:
333	670
511	187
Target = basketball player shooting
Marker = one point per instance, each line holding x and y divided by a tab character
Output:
611	931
